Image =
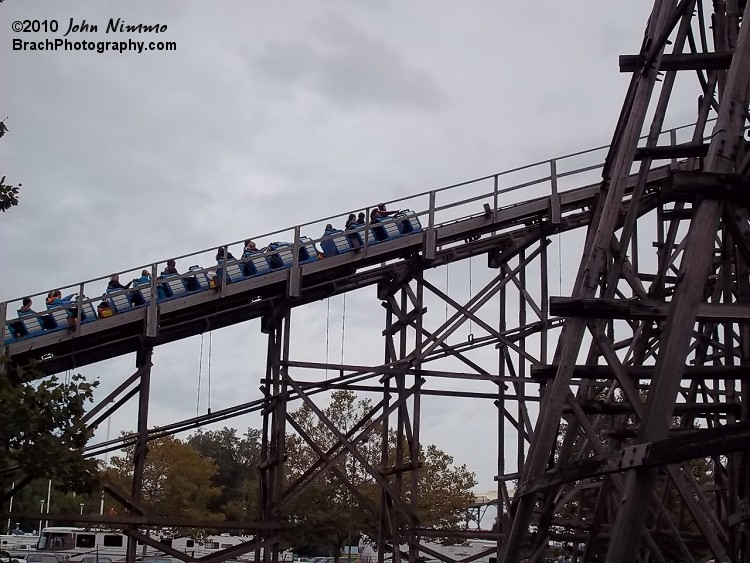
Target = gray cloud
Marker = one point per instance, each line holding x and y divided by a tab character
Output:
349	68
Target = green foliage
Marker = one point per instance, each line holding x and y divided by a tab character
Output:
237	477
445	489
176	480
328	516
40	428
28	500
8	195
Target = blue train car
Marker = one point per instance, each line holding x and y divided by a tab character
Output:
337	243
23	327
278	255
408	222
144	293
256	264
201	278
172	286
60	316
235	272
307	251
88	312
30	325
403	223
385	229
118	301
281	254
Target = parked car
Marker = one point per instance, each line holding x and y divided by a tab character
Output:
159	559
92	559
44	558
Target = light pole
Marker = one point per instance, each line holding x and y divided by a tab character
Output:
41	511
10	508
49	493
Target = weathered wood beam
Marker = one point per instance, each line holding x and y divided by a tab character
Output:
685	446
681	61
645	372
404	468
145	520
669	152
689	185
593	407
633	309
466	534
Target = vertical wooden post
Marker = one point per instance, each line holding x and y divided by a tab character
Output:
555	197
139	456
295	276
430	246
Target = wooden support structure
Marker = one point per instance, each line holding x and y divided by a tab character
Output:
629	441
615	432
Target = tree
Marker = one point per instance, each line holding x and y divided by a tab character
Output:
29	500
237	476
41	432
176	480
8	193
328	515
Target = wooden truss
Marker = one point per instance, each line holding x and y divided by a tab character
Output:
663	336
634	449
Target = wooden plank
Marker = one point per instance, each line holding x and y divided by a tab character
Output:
718	372
669	152
637	310
689	445
689	186
680	61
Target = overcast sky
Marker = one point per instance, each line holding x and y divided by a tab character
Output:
271	114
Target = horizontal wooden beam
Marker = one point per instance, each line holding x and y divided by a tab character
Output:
403	468
637	310
669	152
681	61
118	520
644	372
696	409
689	445
465	534
688	186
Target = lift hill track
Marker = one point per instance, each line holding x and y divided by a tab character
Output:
454	227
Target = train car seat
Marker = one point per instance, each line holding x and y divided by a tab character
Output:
119	301
175	286
88	313
408	222
307	251
281	255
385	229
